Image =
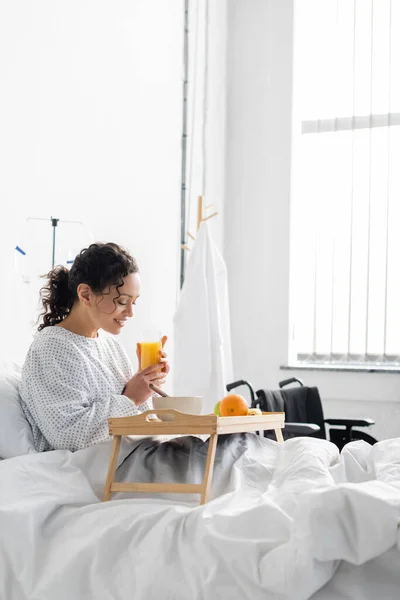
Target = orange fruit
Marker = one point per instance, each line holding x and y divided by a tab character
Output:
233	405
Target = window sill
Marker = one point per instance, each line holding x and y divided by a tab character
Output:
341	368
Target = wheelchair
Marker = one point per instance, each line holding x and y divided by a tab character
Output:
304	414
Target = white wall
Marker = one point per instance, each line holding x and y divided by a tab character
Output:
257	221
90	121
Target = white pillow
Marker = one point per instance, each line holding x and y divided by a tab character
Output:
15	432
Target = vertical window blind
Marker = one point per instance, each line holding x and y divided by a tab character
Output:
345	205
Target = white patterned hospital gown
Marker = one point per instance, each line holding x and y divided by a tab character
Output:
70	386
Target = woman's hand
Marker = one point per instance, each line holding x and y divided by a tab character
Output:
137	389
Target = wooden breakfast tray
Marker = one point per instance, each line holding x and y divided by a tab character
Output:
182	424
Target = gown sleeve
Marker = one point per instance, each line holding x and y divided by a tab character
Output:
63	406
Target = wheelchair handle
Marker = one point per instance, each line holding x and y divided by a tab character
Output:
235	384
286	382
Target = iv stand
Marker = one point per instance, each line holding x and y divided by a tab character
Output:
54	223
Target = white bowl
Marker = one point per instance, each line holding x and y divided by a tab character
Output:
185	404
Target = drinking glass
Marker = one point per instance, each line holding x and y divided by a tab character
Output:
150	348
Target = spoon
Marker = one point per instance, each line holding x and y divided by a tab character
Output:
158	390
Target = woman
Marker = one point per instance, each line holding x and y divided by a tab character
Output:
76	375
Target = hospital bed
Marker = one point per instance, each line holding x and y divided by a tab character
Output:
292	521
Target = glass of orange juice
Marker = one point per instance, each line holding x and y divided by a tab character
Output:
150	348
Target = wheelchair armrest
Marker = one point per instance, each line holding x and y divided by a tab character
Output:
350	422
301	428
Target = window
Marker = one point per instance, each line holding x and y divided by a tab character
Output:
345	219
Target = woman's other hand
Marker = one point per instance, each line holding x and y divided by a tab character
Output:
163	358
137	389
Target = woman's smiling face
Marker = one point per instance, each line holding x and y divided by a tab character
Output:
114	306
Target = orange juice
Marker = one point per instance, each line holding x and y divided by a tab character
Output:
149	354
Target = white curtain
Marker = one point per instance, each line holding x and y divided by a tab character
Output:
346	181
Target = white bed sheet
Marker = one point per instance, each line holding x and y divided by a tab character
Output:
297	520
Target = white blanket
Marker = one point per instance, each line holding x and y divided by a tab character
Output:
293	516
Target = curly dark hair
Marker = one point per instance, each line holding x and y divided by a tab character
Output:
99	266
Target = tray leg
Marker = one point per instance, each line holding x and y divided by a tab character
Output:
279	436
112	467
208	473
